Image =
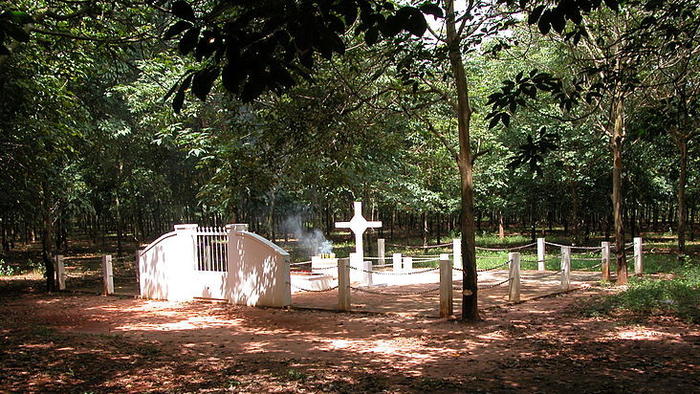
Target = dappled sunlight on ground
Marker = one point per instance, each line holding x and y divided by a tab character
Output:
143	345
645	333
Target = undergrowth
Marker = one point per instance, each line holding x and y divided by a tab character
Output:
679	296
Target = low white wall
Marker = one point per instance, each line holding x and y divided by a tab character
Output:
153	273
258	271
166	266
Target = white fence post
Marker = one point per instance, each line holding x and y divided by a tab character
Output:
605	260
457	252
381	250
446	308
343	284
408	263
514	275
60	272
107	275
540	254
638	263
360	270
396	261
565	267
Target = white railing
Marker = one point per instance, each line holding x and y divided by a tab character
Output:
212	249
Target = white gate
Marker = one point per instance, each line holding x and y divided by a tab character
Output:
226	263
212	249
211	252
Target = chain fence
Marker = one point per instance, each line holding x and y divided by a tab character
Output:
314	290
573	246
403	293
506	249
488	287
486	269
420	246
395	272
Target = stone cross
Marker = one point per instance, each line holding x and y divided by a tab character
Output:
358	225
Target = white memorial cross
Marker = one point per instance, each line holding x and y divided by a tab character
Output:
358	225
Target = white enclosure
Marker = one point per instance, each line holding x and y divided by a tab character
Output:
230	264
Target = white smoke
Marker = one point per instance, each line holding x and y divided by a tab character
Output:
312	241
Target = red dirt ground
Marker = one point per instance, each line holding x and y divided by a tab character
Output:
66	342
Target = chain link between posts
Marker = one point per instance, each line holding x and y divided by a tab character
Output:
407	293
506	249
314	290
393	272
419	246
488	287
573	246
486	269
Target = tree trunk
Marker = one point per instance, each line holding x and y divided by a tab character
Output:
120	225
271	215
501	226
616	140
682	179
533	222
424	220
470	311
47	240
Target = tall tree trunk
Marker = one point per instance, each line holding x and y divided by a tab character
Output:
271	215
424	221
682	179
616	140
47	238
438	224
691	224
533	222
120	225
501	226
470	311
5	244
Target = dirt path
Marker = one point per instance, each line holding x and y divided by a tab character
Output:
92	343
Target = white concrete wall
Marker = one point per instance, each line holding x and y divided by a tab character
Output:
258	271
167	266
182	263
153	275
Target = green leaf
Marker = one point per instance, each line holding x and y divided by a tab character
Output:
179	99
612	4
543	23
188	41
557	20
371	36
494	122
20	17
176	29
203	81
505	118
15	32
535	15
183	10
432	9
416	23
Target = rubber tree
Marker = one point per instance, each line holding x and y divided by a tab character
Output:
613	54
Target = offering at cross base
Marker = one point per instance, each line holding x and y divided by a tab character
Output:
324	261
